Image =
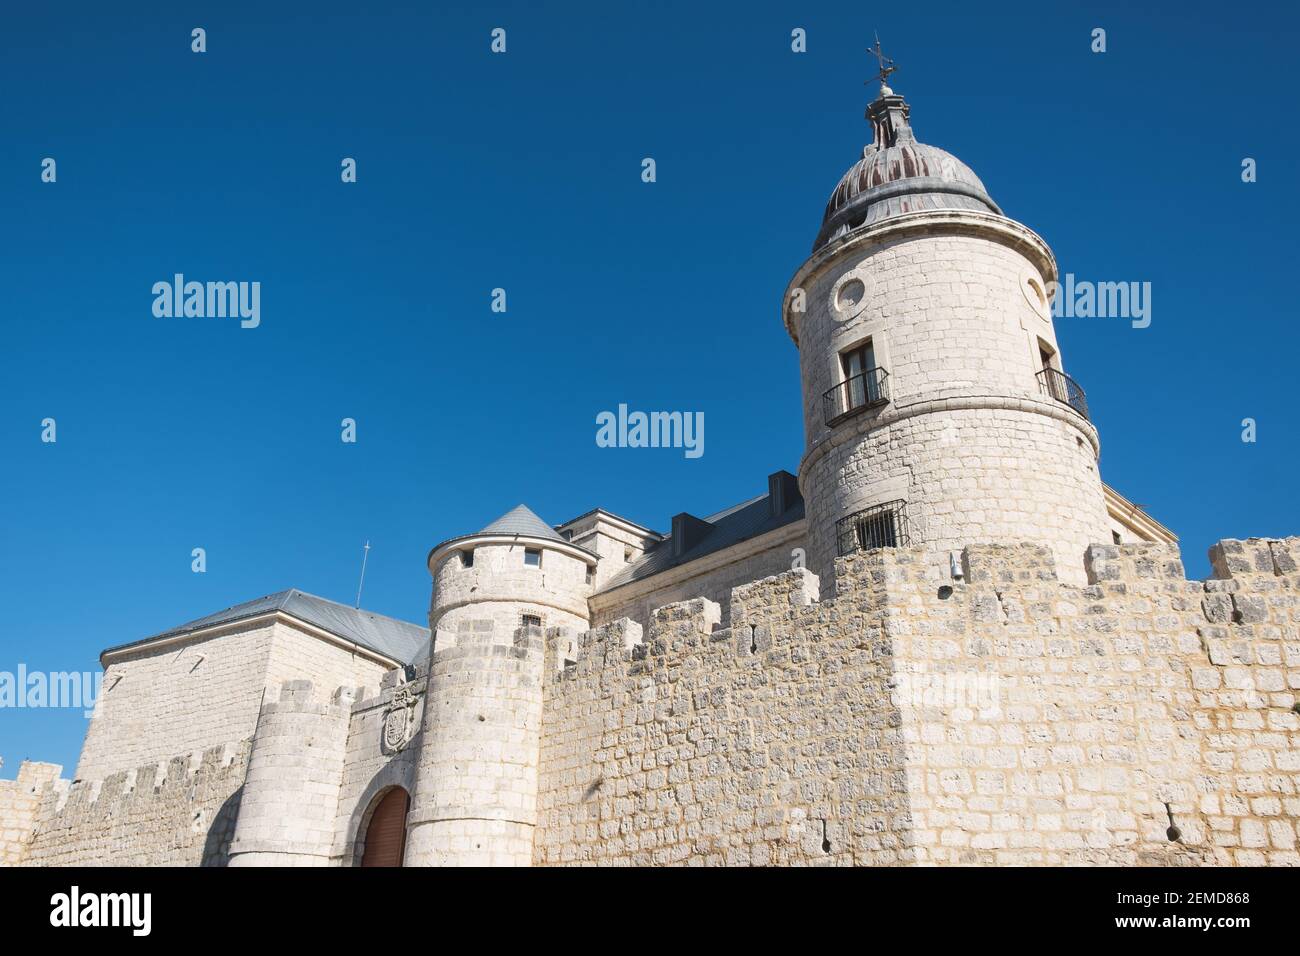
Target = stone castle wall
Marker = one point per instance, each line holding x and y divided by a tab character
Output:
475	799
295	768
1006	718
20	802
180	812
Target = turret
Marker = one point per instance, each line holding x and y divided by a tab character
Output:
936	407
295	768
495	594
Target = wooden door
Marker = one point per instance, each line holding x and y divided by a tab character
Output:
386	834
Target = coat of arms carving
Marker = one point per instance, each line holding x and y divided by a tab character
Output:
399	720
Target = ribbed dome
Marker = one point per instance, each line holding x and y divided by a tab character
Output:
900	176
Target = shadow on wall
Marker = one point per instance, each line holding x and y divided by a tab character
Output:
216	848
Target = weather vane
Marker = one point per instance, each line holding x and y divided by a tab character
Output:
886	64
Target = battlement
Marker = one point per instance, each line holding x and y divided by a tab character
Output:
1255	557
175	812
999	716
300	697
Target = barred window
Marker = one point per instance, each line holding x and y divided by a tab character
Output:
880	526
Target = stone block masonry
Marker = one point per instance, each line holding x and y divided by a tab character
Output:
1005	718
180	812
1000	717
291	793
20	801
476	785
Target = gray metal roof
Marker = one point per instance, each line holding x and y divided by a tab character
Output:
522	520
731	526
400	640
897	175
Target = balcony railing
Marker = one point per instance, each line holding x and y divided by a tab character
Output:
1064	389
864	390
880	526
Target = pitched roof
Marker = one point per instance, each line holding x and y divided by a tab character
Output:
522	520
749	519
400	640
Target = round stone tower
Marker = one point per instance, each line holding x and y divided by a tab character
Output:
291	790
936	408
495	593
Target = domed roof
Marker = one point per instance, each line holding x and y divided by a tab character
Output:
898	175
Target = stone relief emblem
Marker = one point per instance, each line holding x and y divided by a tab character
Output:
399	720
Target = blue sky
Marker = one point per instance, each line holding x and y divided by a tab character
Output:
522	171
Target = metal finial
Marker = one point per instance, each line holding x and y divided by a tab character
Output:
886	66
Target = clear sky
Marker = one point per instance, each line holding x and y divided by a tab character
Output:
522	171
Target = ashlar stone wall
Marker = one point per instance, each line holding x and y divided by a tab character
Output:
20	801
180	812
1003	717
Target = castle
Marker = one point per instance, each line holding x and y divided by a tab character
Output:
945	641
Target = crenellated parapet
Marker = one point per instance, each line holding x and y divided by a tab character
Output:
977	711
179	812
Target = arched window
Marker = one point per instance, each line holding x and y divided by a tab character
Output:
386	833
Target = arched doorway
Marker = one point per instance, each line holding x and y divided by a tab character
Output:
386	832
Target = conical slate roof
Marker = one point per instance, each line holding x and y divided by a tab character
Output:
522	520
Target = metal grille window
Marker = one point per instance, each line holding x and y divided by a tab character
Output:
530	621
880	526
